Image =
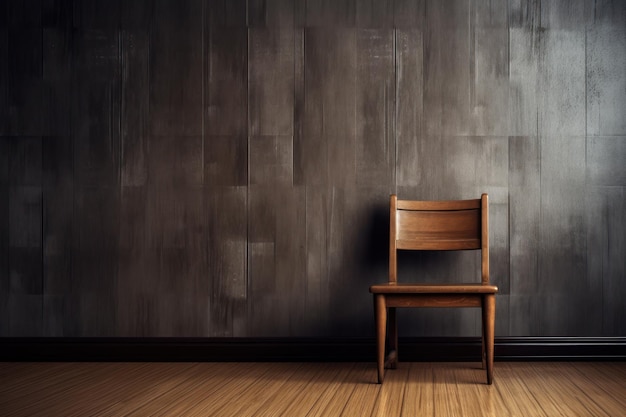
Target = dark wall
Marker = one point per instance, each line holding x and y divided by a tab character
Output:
222	168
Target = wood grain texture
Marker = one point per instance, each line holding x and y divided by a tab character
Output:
24	88
561	99
604	244
95	160
226	103
327	149
4	233
524	73
605	48
374	14
58	161
609	12
96	109
57	213
24	218
409	14
227	212
57	80
226	75
331	13
4	72
136	295
566	15
446	69
524	231
409	110
564	248
275	13
226	166
489	91
221	168
134	112
375	102
296	389
175	95
228	13
270	83
524	189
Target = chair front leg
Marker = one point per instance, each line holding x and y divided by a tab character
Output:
489	319
380	309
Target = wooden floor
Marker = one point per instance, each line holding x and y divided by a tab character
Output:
311	389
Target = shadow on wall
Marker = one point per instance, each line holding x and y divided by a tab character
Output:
374	250
351	301
352	305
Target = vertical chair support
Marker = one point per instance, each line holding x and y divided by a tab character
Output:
489	314
392	359
381	326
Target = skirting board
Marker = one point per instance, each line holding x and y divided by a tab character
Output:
305	350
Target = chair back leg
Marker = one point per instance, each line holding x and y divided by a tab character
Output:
392	359
380	309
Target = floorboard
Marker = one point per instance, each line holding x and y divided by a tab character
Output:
311	389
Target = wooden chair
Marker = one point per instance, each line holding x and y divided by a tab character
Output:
435	225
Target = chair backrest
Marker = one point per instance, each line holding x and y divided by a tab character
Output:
439	225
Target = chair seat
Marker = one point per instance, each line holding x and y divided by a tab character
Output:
412	288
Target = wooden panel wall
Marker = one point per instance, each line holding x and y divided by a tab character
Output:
222	168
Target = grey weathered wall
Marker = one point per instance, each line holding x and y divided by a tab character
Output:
222	168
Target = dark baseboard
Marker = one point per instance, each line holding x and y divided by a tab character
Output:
305	350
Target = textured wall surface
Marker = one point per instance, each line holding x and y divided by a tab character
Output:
222	168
